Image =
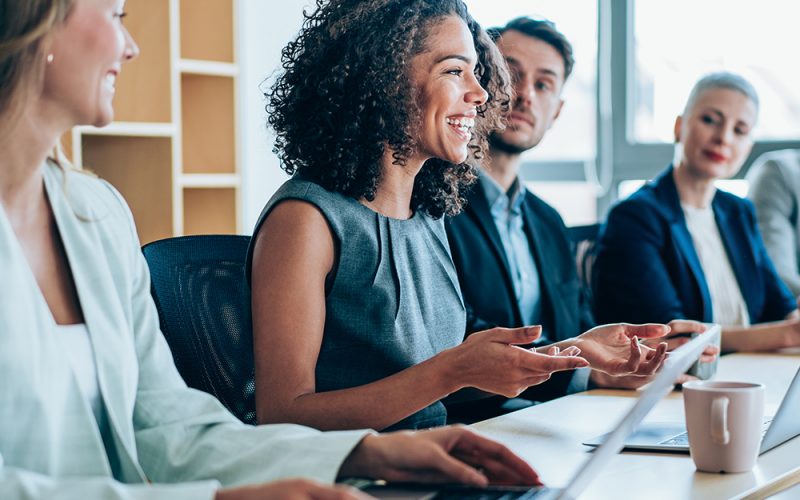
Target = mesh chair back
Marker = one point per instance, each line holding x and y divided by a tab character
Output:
584	242
203	302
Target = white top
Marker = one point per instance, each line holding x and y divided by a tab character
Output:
727	304
75	338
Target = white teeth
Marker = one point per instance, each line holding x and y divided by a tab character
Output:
462	123
110	81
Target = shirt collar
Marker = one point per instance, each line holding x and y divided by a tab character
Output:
500	201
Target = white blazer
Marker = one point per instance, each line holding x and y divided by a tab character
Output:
163	432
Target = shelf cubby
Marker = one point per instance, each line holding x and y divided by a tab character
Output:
141	169
144	85
209	211
172	148
198	41
208	130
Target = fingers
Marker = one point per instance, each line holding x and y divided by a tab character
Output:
685	377
646	331
320	492
514	336
679	326
447	468
571	351
541	363
675	342
653	364
709	354
499	463
554	350
635	355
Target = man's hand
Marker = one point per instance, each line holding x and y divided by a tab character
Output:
445	455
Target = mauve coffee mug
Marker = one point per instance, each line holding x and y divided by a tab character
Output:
724	420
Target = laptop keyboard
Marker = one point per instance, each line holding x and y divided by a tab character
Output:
683	438
490	493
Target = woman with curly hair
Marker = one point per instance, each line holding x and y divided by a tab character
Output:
357	315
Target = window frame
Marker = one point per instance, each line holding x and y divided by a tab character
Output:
631	159
619	156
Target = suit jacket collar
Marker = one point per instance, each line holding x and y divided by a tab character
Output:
537	231
478	207
732	238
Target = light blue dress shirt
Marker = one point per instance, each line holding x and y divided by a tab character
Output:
506	209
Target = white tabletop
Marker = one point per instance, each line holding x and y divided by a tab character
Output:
549	437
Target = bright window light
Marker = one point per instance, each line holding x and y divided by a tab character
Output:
573	136
679	41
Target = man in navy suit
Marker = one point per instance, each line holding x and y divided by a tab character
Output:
514	260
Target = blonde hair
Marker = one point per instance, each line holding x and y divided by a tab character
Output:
23	27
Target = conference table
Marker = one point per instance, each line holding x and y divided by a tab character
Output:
549	437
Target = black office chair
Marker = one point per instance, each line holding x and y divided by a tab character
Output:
584	242
203	302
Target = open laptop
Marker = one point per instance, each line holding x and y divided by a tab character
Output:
673	436
678	362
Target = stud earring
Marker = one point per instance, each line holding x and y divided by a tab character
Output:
49	58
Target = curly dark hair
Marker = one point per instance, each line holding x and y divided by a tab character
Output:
341	99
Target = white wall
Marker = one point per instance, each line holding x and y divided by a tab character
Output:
265	26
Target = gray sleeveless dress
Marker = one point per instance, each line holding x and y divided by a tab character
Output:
393	300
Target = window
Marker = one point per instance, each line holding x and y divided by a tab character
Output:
558	166
657	52
573	136
677	42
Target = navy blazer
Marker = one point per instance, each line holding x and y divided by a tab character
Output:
647	269
486	284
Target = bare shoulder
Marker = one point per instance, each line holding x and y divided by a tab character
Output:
294	231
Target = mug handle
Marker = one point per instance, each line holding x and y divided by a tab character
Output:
719	421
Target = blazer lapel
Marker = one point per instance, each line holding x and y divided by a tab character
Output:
95	294
479	209
668	192
548	277
735	242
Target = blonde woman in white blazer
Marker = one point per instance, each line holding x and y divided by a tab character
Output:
91	405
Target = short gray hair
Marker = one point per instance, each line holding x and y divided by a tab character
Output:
721	80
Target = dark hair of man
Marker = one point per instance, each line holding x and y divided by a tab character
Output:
344	96
543	30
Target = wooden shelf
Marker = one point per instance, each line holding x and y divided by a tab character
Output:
209	211
172	149
143	86
208	130
131	129
210	180
207	30
141	169
209	68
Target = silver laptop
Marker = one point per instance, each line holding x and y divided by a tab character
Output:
673	437
678	362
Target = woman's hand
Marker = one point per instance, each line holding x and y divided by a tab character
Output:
606	381
444	455
492	361
292	489
680	333
615	349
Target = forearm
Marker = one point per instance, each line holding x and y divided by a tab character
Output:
376	405
762	337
